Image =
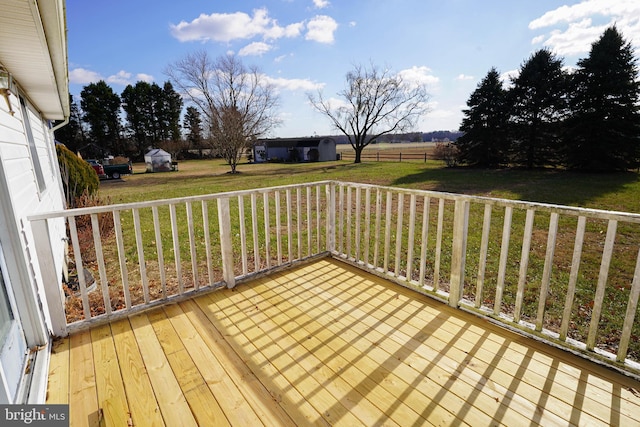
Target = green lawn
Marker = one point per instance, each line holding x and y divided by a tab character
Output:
616	191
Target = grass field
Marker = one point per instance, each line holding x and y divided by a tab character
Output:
615	191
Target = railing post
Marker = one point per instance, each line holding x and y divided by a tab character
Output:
331	217
226	246
53	292
459	251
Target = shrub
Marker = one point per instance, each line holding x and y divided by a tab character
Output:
78	176
446	151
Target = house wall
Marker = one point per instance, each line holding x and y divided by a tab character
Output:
30	184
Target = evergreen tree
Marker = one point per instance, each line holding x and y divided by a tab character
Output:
538	106
604	128
193	125
138	104
153	114
484	124
72	134
101	107
170	113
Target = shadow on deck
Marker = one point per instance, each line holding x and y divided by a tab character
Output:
326	344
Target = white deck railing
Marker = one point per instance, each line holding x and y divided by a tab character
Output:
550	270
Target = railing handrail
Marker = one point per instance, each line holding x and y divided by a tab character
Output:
164	202
493	201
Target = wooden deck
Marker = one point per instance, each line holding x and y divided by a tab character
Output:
326	344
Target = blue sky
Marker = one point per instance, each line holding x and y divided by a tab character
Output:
305	45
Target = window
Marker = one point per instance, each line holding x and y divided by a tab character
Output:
35	160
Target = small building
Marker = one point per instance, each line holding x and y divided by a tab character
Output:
158	160
315	149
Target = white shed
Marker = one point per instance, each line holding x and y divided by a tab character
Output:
158	160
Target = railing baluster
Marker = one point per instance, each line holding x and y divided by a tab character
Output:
318	217
289	226
424	239
192	246
411	237
436	268
278	227
607	253
358	227
267	232
524	264
124	275
341	220
330	191
309	222
484	248
504	254
141	260
226	245
348	213
367	225
630	314
387	233
243	235
156	229
255	237
207	240
176	247
82	283
399	234
376	248
299	219
548	267
573	277
97	243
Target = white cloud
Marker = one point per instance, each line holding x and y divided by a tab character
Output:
419	75
584	22
293	84
464	77
538	39
255	48
321	4
224	27
144	77
321	29
352	24
84	76
508	76
121	78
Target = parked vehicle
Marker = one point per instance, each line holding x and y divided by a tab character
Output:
116	171
106	170
98	168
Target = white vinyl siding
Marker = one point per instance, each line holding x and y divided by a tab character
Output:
21	165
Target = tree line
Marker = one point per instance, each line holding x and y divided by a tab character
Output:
143	116
584	119
230	107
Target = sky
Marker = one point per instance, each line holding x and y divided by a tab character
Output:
303	46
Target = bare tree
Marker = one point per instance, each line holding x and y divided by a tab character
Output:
374	103
238	103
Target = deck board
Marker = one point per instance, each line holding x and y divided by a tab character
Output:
327	344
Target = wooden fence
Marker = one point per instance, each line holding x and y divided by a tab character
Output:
382	156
